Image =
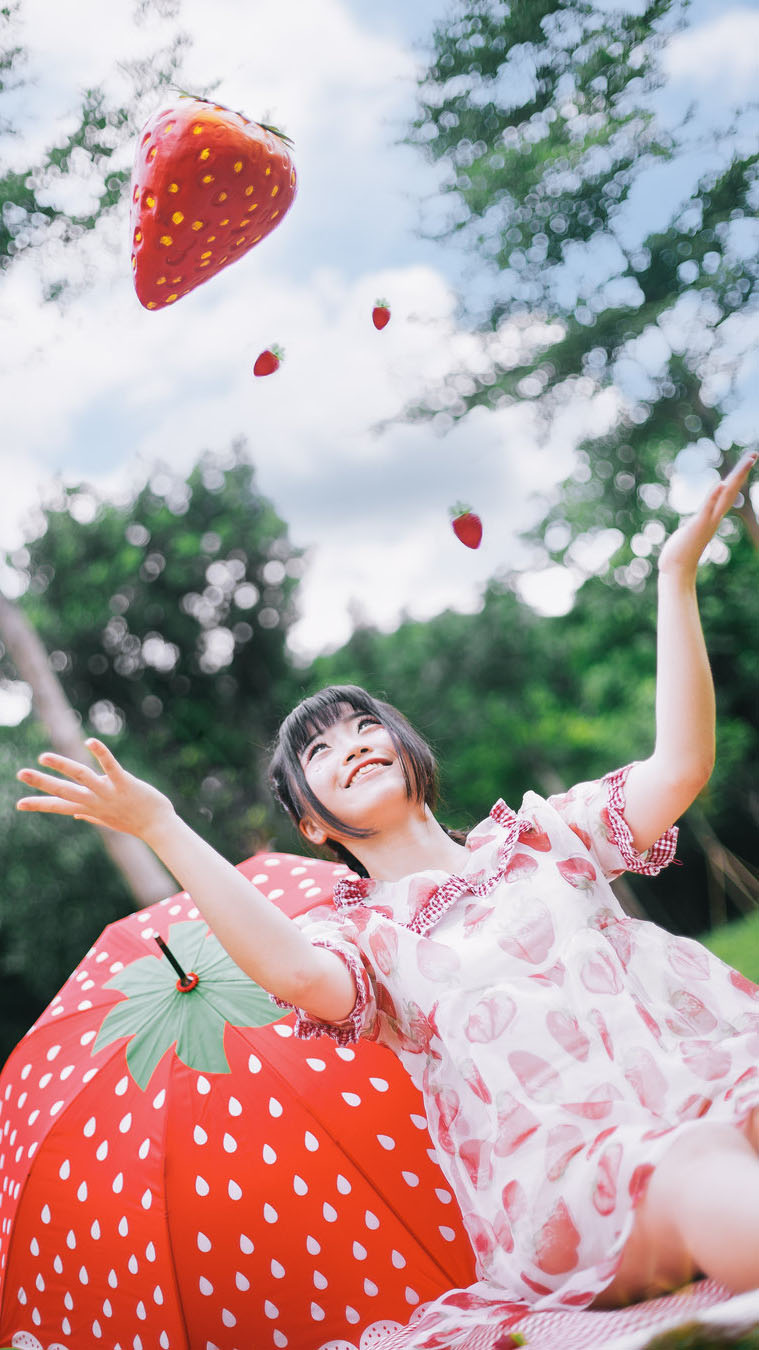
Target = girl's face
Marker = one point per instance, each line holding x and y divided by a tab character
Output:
353	769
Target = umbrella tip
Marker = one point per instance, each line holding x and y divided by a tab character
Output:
185	982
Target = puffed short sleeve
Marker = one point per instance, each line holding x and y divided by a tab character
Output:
340	936
595	811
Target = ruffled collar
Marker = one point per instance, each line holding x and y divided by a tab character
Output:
427	900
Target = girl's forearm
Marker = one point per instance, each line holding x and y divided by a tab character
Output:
263	942
685	705
659	789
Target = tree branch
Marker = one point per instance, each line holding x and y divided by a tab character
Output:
145	876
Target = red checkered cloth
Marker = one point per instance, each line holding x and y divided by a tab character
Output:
705	1302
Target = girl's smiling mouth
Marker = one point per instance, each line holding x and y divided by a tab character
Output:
365	764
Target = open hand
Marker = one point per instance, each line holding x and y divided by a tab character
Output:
683	549
114	798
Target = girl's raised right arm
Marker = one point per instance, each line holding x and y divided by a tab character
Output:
267	945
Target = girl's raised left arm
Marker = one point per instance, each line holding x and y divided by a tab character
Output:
661	788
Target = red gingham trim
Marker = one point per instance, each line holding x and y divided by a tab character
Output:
347	1032
503	814
477	883
351	891
560	1330
659	854
440	901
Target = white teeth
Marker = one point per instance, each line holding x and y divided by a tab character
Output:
374	765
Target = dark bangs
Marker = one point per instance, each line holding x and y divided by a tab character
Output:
315	715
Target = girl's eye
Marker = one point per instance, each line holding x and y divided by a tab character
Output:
368	722
319	746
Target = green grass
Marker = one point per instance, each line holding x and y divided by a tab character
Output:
696	1336
737	944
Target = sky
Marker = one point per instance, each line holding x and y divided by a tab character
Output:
96	389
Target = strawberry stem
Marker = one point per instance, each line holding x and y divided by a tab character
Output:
201	98
167	952
184	93
460	509
275	132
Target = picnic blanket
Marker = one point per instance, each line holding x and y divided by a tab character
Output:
704	1304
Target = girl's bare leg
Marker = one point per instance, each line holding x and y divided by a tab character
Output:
699	1216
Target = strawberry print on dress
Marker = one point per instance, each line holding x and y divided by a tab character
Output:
559	1045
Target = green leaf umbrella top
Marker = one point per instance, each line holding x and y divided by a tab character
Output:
157	1014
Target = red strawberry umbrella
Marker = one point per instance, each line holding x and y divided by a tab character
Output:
178	1170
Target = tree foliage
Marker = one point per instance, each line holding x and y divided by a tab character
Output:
544	116
165	617
31	213
59	890
511	701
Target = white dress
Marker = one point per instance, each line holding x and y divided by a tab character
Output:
559	1045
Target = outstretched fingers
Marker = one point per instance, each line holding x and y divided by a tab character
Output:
107	761
76	786
63	795
682	551
112	797
725	493
722	496
50	805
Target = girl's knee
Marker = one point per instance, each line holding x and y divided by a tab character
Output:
704	1163
750	1129
698	1146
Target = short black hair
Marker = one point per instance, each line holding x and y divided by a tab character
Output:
314	715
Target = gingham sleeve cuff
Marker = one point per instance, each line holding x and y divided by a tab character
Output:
655	858
348	1031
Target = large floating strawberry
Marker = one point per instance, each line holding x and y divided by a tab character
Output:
207	185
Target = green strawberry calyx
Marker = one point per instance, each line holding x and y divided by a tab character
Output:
277	351
460	509
275	132
381	304
265	126
157	1016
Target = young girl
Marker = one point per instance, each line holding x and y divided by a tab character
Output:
590	1081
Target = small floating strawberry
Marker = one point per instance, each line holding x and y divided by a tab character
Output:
381	314
466	525
268	361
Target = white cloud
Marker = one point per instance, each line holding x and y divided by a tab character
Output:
722	52
15	702
98	388
550	591
181	380
67	50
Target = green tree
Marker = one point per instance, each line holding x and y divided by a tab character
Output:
29	218
165	619
93	152
543	116
511	702
59	890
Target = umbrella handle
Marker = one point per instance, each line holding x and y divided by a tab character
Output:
185	982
